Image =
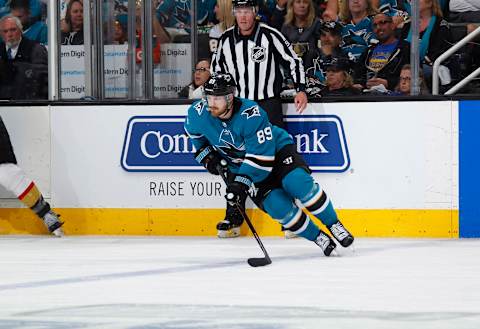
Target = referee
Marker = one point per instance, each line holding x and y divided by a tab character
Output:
256	54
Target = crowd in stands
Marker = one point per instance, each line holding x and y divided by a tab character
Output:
367	41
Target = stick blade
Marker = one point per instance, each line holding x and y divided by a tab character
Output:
256	262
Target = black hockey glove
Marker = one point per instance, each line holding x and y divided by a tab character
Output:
210	159
237	191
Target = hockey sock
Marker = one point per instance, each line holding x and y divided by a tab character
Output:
319	204
281	207
14	180
315	200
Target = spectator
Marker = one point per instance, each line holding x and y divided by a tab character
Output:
200	76
316	59
33	30
266	9
339	82
37	8
301	26
175	14
120	33
403	86
379	68
13	178
160	35
357	31
23	63
278	14
434	35
399	10
224	15
73	35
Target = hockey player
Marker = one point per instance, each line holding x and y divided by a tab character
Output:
262	162
14	180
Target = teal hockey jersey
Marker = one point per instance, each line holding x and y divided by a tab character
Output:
248	141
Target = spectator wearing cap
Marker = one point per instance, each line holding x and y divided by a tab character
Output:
317	59
301	26
120	35
379	68
339	82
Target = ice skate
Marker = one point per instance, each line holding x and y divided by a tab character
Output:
341	234
53	223
230	226
326	243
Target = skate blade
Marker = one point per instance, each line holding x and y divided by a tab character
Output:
232	233
290	235
58	233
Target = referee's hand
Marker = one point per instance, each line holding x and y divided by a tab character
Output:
301	101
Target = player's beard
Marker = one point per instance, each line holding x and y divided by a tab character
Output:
227	112
225	115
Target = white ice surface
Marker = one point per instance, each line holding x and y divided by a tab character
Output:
179	282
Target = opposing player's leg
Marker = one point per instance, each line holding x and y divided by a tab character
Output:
300	185
14	180
280	206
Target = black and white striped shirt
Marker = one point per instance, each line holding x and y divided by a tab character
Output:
256	61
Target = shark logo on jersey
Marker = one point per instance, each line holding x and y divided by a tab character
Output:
253	111
182	14
228	147
258	54
199	107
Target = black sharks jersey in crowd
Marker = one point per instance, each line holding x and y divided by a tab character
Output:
247	140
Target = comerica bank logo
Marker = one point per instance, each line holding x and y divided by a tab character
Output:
159	143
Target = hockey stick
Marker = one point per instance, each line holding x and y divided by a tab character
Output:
254	262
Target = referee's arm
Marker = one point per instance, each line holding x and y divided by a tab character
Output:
292	62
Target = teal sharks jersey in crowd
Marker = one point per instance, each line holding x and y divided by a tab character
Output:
356	38
176	13
247	140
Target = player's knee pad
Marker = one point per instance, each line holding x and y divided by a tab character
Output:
13	178
298	183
